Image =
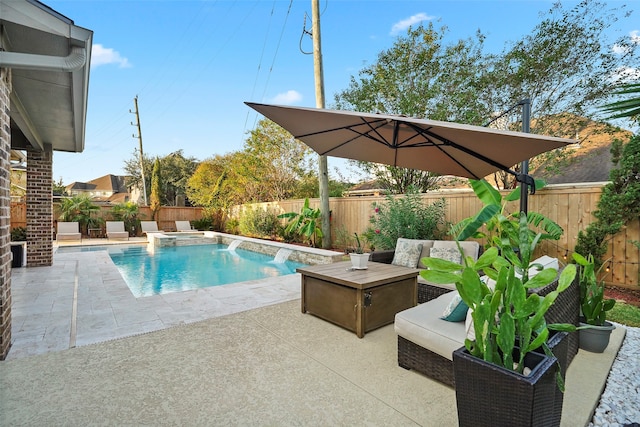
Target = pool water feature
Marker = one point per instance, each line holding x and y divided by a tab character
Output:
181	268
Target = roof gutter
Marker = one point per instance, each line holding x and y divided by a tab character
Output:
27	61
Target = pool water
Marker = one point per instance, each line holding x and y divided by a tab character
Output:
181	268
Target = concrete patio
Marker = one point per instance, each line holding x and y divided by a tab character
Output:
240	354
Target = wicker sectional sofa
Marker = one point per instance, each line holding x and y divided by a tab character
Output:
428	291
426	342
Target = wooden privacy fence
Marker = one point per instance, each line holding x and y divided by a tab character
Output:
570	206
166	216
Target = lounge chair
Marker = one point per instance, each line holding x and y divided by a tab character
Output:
68	231
115	230
183	226
149	227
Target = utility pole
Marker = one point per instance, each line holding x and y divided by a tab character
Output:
323	170
144	183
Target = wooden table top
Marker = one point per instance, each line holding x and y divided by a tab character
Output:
376	274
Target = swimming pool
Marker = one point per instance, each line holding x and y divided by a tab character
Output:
181	268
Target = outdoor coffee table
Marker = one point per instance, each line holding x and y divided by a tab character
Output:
358	300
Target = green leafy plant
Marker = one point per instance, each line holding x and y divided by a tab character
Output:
259	223
359	249
129	213
504	317
80	209
406	216
306	224
592	302
19	234
500	226
618	204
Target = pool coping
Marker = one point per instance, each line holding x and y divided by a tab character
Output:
301	254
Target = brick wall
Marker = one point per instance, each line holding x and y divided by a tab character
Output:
39	207
5	215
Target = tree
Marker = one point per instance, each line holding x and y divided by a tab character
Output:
59	188
417	77
209	183
127	212
618	204
275	160
566	66
80	209
156	190
176	171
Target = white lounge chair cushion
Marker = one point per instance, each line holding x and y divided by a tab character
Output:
422	325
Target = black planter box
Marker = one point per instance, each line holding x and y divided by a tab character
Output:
487	394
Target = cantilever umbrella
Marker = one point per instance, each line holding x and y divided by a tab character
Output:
440	147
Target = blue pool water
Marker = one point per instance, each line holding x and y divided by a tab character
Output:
181	268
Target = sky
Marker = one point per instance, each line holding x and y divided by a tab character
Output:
193	64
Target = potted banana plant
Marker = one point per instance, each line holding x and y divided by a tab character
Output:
595	331
509	363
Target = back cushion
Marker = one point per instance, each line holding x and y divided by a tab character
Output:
407	253
469	248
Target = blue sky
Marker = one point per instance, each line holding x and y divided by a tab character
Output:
192	64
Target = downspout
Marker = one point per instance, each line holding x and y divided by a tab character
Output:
27	61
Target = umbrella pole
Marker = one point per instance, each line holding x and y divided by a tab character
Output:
524	168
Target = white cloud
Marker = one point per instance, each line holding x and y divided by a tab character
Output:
287	98
101	55
406	23
627	74
634	38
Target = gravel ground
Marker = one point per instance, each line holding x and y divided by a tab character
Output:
620	402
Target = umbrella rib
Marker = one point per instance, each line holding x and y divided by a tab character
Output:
380	140
466	150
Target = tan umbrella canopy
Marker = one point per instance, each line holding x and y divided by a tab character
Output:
441	147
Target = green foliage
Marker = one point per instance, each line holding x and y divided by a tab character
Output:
504	317
128	212
618	204
18	234
306	224
213	219
628	107
259	223
405	216
502	229
80	209
359	249
176	171
564	65
156	190
202	224
594	306
232	226
341	238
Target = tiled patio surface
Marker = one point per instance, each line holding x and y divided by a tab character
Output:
240	354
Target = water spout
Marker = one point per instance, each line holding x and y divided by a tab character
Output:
234	245
282	255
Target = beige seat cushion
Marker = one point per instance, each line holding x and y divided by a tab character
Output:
422	325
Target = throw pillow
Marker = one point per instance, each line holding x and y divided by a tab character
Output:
407	253
456	311
448	254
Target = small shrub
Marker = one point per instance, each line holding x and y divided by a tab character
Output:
406	217
19	234
232	226
259	223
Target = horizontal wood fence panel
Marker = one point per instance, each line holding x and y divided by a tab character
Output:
571	206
